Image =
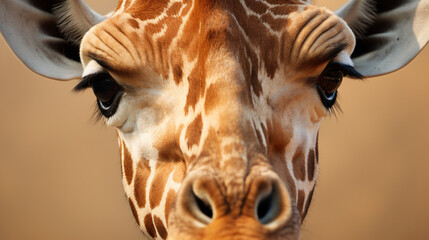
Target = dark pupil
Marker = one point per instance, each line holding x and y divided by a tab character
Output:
330	81
104	89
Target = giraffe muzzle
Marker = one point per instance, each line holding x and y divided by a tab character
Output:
257	208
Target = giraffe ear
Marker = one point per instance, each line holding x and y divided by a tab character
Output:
45	35
389	33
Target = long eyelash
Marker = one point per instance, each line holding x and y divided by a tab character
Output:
349	70
84	84
97	116
87	81
335	109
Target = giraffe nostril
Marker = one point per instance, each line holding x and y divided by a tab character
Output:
264	207
267	207
204	207
199	206
269	201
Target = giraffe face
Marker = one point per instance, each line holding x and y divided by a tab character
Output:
217	105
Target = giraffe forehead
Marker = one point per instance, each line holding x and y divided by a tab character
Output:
135	41
159	34
191	22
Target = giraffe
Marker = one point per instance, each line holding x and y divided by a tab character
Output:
217	104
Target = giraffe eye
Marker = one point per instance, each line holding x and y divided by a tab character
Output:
108	94
328	83
330	79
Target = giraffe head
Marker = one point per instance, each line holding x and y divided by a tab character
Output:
217	104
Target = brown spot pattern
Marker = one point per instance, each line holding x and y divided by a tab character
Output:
197	86
169	152
142	174
278	137
300	203
162	231
299	164
150	228
128	164
311	165
177	73
133	23
193	133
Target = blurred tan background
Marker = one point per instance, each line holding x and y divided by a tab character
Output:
60	172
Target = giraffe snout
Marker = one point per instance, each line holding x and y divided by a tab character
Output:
257	208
